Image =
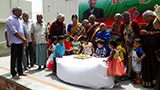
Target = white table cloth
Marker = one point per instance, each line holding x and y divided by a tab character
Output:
90	72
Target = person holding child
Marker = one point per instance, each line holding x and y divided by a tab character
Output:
68	45
88	48
59	51
104	35
115	65
137	56
100	51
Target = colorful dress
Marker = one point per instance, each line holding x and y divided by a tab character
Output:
116	66
129	33
73	29
76	45
122	51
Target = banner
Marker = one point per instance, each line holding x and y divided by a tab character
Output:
106	9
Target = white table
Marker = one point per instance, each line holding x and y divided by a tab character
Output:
90	72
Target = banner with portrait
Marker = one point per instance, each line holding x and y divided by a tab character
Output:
106	9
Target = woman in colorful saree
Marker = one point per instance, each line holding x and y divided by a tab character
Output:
130	29
75	27
151	46
104	35
92	29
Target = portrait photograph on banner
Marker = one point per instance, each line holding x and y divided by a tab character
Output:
104	10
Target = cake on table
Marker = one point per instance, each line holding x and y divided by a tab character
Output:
81	56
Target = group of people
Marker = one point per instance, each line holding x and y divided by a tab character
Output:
128	48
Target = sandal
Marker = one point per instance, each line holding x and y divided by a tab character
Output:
138	82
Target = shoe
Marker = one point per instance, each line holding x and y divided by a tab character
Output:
39	68
123	78
138	82
116	84
34	66
135	79
16	77
23	74
44	67
54	73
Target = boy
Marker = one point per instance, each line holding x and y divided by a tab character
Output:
76	44
68	45
59	51
137	56
100	51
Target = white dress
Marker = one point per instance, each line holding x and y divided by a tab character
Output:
87	48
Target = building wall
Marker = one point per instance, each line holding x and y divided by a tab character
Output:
66	7
5	9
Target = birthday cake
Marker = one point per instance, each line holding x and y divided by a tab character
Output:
80	56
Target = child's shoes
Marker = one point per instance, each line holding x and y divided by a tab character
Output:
138	82
116	84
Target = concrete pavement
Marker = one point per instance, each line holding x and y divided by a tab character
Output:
44	80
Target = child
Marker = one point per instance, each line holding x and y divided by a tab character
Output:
68	45
53	44
115	66
76	44
87	47
59	51
51	49
137	56
100	51
122	51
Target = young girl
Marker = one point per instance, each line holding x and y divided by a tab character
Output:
115	65
122	52
51	49
87	47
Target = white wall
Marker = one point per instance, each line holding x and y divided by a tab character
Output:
6	10
7	5
66	7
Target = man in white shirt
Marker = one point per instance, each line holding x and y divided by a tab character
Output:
29	50
39	35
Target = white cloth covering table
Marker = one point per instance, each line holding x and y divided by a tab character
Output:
91	72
